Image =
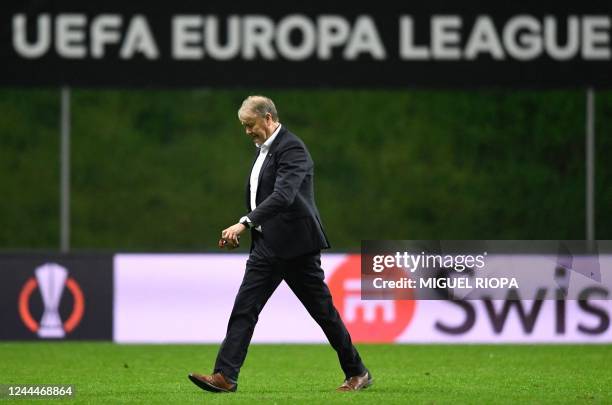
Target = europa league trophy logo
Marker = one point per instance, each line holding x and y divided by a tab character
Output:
51	279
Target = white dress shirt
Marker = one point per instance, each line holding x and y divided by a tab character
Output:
254	180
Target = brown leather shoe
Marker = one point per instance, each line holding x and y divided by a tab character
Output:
356	383
213	383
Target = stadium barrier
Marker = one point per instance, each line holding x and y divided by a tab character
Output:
166	298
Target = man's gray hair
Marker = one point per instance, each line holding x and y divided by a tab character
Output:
260	106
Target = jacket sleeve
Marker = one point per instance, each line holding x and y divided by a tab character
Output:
293	164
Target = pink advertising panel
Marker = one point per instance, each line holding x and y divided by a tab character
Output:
187	298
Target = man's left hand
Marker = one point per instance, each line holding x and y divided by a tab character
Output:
231	235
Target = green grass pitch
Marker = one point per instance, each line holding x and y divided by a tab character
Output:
107	373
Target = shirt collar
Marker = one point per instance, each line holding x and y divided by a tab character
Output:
264	147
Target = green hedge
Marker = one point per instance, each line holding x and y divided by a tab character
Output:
165	170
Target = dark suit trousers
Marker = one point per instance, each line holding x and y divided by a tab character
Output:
304	275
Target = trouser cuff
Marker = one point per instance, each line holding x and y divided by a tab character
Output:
229	377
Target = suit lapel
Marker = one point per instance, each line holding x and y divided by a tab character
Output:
269	156
263	167
254	160
247	186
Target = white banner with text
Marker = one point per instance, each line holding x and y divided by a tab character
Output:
187	298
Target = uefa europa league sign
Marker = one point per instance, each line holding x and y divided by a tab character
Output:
51	279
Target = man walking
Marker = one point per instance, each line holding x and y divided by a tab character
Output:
287	238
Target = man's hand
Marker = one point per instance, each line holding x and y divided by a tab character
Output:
230	237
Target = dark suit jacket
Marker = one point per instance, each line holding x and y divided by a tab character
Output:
286	208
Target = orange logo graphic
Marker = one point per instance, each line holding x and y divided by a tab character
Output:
367	320
50	280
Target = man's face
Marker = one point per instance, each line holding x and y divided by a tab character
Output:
258	128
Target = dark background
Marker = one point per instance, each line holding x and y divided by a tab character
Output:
165	170
436	150
93	273
392	72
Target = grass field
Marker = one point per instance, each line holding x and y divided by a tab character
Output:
107	373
